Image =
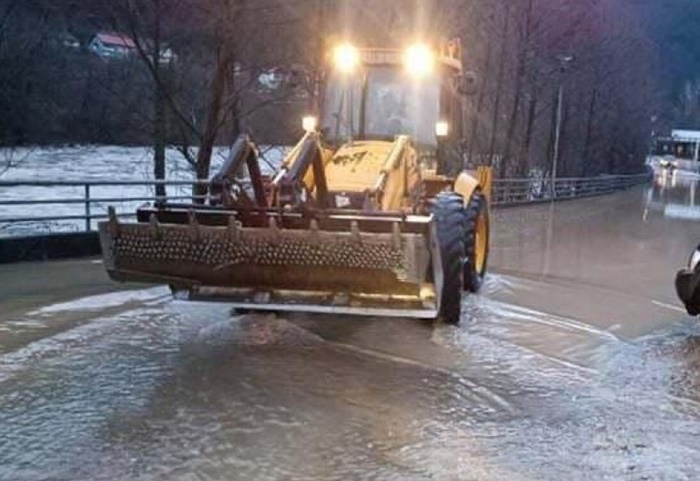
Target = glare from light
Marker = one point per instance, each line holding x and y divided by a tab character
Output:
346	57
309	123
419	60
442	129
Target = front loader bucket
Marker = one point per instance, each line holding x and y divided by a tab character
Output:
355	264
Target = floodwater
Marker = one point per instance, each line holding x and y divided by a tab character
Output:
91	164
576	362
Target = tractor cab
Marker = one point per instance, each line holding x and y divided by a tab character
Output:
376	95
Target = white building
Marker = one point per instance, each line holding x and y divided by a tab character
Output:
112	45
119	45
685	135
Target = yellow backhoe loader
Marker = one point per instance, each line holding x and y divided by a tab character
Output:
371	213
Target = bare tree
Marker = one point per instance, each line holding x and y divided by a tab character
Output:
50	93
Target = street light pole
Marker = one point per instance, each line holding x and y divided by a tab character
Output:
564	62
557	139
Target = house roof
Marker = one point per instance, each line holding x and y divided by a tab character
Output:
116	39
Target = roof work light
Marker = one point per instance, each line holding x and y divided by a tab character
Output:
419	60
346	57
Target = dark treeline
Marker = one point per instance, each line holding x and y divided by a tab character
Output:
624	68
674	26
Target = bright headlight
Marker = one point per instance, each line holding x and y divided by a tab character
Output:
419	60
346	57
442	129
309	123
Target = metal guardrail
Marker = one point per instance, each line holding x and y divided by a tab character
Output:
75	205
79	210
523	191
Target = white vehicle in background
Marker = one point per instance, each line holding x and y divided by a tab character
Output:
679	151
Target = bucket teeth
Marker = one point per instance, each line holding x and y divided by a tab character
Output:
318	256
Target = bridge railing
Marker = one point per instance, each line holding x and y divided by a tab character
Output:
41	207
523	191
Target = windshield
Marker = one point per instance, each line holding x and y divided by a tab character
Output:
381	104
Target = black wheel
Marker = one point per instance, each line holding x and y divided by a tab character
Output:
476	242
448	209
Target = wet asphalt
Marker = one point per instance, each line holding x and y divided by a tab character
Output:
575	362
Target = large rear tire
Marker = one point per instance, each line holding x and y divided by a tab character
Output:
476	242
448	209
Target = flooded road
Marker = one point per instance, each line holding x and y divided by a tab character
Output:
610	261
576	362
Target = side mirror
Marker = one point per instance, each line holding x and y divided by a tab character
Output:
467	84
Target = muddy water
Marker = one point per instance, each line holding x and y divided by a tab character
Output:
610	261
537	383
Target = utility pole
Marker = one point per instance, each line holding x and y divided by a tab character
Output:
564	61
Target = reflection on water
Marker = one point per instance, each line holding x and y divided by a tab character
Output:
572	364
166	390
609	261
675	195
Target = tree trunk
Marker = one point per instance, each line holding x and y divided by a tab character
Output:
159	142
213	120
159	130
519	77
473	141
524	164
499	87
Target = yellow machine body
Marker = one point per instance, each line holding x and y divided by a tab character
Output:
347	228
